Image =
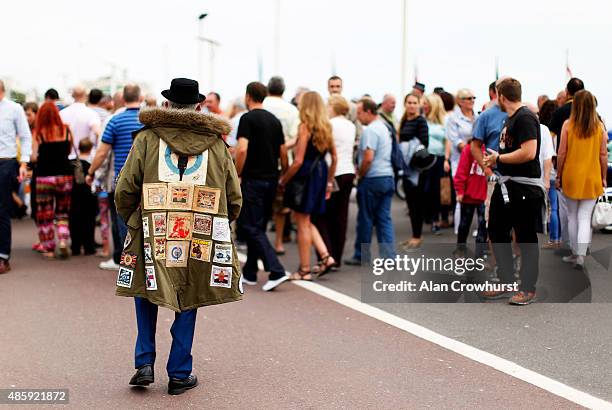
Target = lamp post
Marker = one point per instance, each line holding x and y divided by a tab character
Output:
277	14
211	55
403	53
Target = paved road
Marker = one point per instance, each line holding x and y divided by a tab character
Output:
64	328
571	343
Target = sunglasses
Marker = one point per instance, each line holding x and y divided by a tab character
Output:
469	98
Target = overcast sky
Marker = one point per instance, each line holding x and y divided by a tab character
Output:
454	43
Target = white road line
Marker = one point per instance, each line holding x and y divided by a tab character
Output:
488	359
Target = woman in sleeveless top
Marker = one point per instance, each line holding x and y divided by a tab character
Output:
581	171
54	177
309	170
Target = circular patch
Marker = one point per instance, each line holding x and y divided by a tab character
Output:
176	252
193	168
128	259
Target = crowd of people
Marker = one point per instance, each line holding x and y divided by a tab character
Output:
521	168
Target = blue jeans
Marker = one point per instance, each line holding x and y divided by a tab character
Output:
8	175
374	197
258	196
180	361
118	229
554	226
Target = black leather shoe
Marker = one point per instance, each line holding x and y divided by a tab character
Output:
179	386
144	376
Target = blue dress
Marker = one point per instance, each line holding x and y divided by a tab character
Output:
313	201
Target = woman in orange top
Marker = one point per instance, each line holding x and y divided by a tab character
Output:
581	171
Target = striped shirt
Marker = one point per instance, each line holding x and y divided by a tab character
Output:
118	134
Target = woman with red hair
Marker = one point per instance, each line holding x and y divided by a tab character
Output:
54	176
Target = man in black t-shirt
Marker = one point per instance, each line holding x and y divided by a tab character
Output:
261	145
562	113
516	204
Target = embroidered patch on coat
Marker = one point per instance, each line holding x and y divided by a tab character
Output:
160	248
151	280
159	224
179	225
223	253
200	250
168	171
154	196
176	253
148	254
180	196
202	224
221	276
221	230
206	199
145	226
128	259
124	277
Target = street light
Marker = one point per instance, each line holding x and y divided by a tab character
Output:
211	56
403	53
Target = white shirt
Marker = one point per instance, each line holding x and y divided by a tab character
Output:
82	121
343	132
547	149
13	123
287	114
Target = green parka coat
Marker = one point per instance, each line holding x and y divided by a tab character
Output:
178	191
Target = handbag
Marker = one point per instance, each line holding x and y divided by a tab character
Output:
79	175
445	190
602	213
296	188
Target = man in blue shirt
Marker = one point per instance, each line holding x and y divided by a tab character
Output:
376	185
13	125
487	130
117	137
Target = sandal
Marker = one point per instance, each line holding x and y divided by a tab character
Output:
102	254
38	247
48	254
323	267
63	253
301	275
412	243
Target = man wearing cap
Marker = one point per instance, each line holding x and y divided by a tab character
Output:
178	193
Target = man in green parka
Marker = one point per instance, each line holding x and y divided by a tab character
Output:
178	193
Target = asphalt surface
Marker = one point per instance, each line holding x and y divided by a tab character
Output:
568	342
64	328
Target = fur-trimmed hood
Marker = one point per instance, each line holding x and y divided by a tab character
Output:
192	120
185	131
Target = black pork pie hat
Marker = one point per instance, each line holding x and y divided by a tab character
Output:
183	91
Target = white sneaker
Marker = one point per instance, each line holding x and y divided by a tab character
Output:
271	284
569	259
108	265
248	282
